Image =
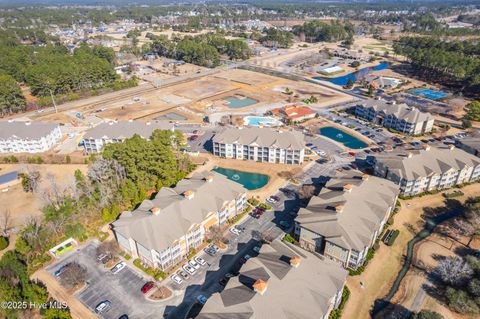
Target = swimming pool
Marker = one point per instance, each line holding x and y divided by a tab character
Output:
429	94
340	136
236	103
172	116
261	121
250	181
343	80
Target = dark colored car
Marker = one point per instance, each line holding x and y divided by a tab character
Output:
123	317
147	287
223	281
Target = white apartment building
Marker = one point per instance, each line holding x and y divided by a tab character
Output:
260	144
346	218
400	117
28	137
161	231
118	131
431	168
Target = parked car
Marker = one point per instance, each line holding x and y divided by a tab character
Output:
284	224
123	317
183	274
189	269
200	260
194	264
273	199
60	270
234	231
118	267
103	307
202	299
147	287
176	279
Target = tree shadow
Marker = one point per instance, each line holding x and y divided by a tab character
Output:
384	309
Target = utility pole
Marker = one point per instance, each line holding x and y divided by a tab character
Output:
53	100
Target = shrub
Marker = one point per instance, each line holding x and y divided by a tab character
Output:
252	201
264	206
153	272
427	314
3	242
288	238
337	313
390	220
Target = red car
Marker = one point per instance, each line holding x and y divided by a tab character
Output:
352	153
258	211
147	287
193	137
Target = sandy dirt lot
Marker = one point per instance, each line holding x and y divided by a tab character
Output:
382	270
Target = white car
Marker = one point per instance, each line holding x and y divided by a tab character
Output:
118	267
200	260
272	199
194	264
189	269
235	231
176	279
321	153
103	306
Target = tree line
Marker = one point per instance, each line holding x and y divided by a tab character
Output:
453	62
316	31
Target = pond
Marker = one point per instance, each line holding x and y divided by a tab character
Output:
343	80
250	181
340	136
236	103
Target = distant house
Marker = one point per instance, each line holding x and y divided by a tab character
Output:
28	137
118	131
383	82
162	231
294	112
346	218
400	117
432	168
280	283
260	144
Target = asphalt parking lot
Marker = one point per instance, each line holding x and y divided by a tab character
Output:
122	289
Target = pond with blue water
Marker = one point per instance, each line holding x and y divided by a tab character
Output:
343	80
250	181
340	136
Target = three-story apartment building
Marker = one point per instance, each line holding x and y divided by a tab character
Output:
161	231
118	131
28	137
346	217
431	168
260	144
400	117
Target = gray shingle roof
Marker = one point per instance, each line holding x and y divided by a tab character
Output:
304	292
25	130
364	208
400	111
437	160
472	142
263	137
177	213
126	129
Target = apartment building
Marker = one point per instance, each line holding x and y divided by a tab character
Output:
470	145
281	283
260	144
28	137
430	168
161	231
346	217
400	117
118	131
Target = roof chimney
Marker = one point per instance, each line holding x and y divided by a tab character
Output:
209	178
365	177
189	194
339	208
451	147
347	188
155	211
295	262
426	147
148	123
409	154
260	286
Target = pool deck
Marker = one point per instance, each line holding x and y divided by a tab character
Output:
274	183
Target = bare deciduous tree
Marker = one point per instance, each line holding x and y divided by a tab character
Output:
306	191
74	275
6	222
453	270
215	234
108	248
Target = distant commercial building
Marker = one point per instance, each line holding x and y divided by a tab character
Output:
28	137
346	218
400	117
161	231
294	112
260	144
470	145
281	283
118	131
432	168
383	82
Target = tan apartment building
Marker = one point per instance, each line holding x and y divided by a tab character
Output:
161	231
346	217
427	169
280	283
